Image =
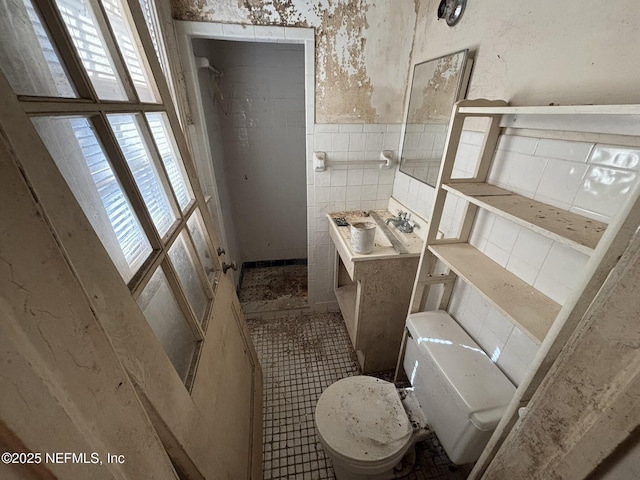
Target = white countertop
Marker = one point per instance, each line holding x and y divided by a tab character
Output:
341	237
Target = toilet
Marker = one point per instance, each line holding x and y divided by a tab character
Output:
366	428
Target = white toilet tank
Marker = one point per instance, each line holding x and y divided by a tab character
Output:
461	391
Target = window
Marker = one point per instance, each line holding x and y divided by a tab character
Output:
89	88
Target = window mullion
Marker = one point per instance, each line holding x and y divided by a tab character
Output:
156	158
125	176
110	42
137	17
174	282
67	106
66	49
174	122
192	175
165	96
202	274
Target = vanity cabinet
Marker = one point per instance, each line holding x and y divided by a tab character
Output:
374	292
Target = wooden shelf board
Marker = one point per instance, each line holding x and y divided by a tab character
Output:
525	306
631	109
567	228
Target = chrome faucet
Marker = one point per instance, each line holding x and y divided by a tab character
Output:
402	222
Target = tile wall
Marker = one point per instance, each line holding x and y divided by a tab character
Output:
586	178
260	107
343	187
206	137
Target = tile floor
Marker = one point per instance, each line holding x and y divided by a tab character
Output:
301	354
274	291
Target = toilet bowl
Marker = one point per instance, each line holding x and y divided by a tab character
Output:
365	428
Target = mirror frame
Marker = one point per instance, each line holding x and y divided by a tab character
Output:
441	127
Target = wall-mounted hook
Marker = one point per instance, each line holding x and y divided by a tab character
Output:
232	266
220	251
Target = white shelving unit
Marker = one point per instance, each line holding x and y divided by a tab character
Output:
530	310
546	322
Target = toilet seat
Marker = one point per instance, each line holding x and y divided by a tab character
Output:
361	420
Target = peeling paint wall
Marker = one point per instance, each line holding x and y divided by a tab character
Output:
571	52
363	48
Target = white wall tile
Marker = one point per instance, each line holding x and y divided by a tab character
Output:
495	253
338	177
351	127
322	194
512	366
354	177
498	324
531	247
565	265
561	181
369	192
490	343
370	176
484	223
504	234
384	192
374	142
525	173
338	194
357	142
574	151
340	142
604	189
386	177
326	128
391	141
612	156
354	193
517	144
500	169
322	142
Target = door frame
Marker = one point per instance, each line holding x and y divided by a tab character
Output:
196	128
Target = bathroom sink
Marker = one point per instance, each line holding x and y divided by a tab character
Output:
389	240
405	239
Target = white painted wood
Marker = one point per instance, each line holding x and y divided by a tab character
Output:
64	387
226	393
560	225
474	107
607	255
588	137
589	403
525	306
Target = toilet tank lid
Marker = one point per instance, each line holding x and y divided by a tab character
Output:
478	386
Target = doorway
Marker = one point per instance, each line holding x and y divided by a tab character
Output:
251	104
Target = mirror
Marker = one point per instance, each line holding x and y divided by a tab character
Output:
436	85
